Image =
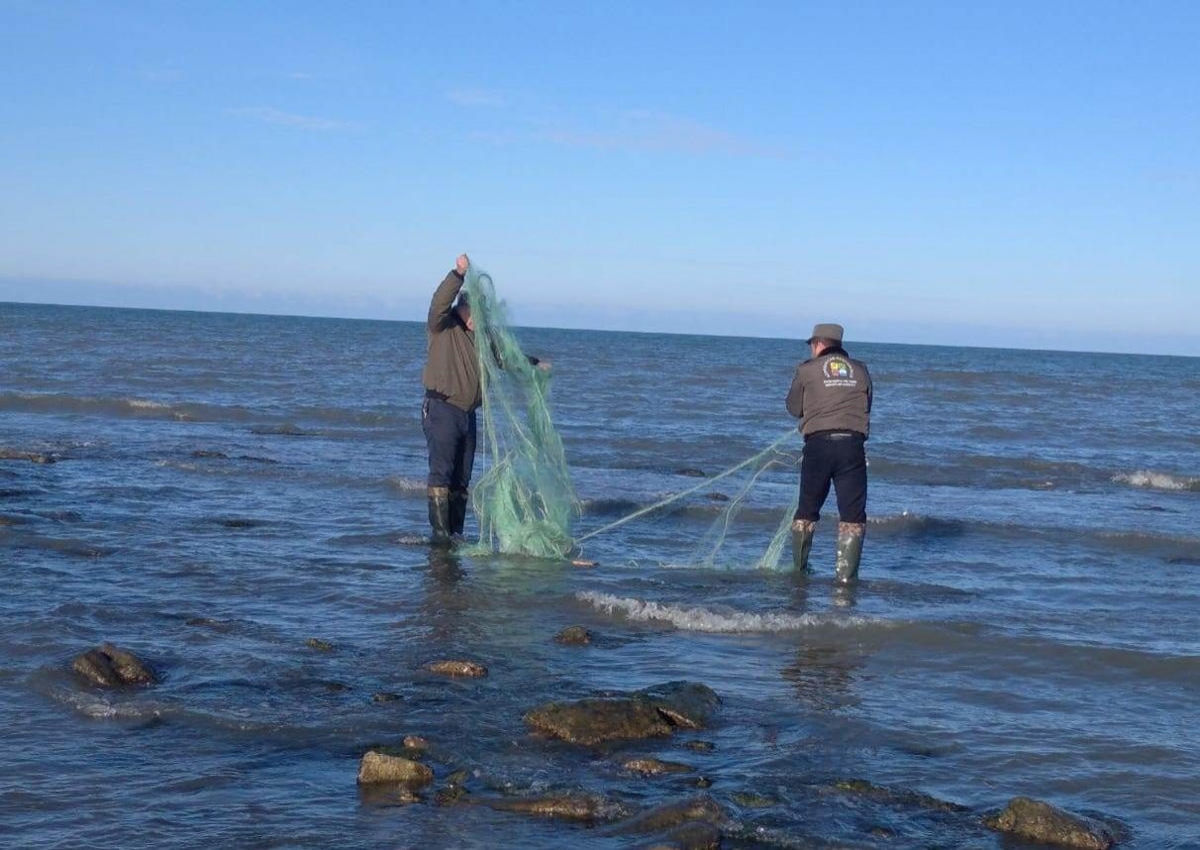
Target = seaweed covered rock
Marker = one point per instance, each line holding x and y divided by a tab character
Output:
1034	820
109	666
581	808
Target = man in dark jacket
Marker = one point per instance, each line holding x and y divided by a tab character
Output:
831	394
452	395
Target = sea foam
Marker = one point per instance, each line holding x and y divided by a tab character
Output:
700	619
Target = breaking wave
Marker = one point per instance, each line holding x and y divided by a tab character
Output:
700	619
1150	480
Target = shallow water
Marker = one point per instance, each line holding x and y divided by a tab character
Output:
227	487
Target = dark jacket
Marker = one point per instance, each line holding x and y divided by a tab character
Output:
452	367
831	392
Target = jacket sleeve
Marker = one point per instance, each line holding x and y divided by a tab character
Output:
795	396
443	302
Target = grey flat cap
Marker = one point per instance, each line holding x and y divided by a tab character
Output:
826	331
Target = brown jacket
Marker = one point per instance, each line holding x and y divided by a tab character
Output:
832	392
452	367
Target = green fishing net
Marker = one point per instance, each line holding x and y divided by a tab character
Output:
524	501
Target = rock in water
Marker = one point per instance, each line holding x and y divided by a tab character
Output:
108	666
655	767
593	721
468	669
651	713
1038	821
574	636
376	768
573	807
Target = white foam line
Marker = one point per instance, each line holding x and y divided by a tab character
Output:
698	619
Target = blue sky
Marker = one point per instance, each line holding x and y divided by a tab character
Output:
1003	173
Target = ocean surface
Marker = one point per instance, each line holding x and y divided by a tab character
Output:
213	491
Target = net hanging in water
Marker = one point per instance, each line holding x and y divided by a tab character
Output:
524	502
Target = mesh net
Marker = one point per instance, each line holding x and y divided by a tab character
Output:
524	502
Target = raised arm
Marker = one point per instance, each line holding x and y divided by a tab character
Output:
443	297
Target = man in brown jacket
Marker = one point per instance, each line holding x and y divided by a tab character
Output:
831	393
452	395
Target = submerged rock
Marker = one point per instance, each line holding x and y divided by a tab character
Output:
377	767
319	645
655	767
32	457
651	713
585	808
466	669
1037	821
702	809
691	472
385	696
689	836
892	796
574	636
108	666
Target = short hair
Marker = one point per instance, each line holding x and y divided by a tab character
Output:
825	341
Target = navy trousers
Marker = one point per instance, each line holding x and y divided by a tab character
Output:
450	435
840	459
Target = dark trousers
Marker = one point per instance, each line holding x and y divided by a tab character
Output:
450	435
839	459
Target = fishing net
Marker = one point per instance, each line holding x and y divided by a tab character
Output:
524	502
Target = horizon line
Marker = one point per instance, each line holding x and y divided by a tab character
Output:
580	329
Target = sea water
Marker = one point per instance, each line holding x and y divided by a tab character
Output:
212	491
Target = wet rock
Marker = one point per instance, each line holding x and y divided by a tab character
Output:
584	808
574	636
319	645
700	746
655	767
415	743
702	809
385	696
464	669
1034	820
689	836
689	705
593	721
751	800
32	457
108	666
651	713
900	797
377	768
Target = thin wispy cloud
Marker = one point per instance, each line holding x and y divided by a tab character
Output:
478	98
278	117
646	130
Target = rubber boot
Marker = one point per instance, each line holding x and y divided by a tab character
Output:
458	511
802	538
849	550
439	515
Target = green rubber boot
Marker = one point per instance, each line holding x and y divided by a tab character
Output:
802	538
849	550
